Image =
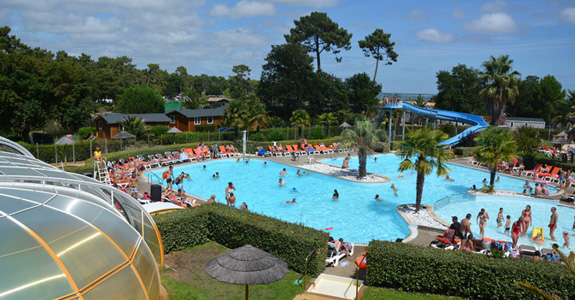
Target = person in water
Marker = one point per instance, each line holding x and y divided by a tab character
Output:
291	202
394	189
377	198
335	195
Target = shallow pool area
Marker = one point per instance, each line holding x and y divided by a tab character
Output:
355	217
460	205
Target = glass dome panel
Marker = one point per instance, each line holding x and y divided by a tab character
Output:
147	272
9	205
124	285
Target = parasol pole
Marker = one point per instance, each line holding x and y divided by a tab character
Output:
247	291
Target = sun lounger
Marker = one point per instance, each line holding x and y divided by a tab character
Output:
527	251
532	172
311	150
263	152
292	151
223	153
333	256
301	151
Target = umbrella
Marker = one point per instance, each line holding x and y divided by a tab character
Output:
344	125
562	134
247	265
122	135
175	131
561	141
65	141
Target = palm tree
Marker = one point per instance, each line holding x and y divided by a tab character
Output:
327	118
495	144
237	115
258	114
300	118
365	136
424	146
135	126
501	85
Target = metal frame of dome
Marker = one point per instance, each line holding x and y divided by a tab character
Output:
15	147
16	168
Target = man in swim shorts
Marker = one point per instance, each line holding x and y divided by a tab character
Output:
134	186
553	222
169	174
466	234
232	200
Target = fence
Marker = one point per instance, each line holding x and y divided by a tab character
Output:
453	199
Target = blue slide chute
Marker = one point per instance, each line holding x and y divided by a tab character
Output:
477	123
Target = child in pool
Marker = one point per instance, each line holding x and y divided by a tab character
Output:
500	217
507	225
538	238
567	242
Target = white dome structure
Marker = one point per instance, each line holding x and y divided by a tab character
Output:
66	236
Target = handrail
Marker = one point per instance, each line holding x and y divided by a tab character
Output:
150	174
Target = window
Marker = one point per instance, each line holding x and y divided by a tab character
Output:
210	120
173	119
198	121
100	125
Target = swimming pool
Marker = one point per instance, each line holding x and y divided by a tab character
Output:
513	206
356	216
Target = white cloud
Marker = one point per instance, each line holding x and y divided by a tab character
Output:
434	36
496	6
244	9
496	23
312	3
458	13
568	14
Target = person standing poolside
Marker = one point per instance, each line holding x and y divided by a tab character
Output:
283	172
516	230
345	164
232	200
481	219
553	222
169	176
134	186
229	190
394	188
526	214
500	217
466	234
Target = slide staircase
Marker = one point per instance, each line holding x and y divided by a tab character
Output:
477	123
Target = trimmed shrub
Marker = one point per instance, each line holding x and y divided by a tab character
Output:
86	132
317	133
464	151
468	275
234	228
159	130
205	128
258	137
276	135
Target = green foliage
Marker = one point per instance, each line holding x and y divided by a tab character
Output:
206	128
158	130
140	100
380	47
364	136
501	86
448	128
459	90
395	145
318	33
300	118
135	126
362	92
316	134
464	151
86	132
234	228
257	137
527	140
276	135
495	144
455	273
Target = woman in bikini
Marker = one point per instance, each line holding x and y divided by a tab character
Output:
481	219
526	214
516	230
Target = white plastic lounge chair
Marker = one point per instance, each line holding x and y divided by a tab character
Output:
333	256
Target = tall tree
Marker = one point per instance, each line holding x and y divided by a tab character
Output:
424	146
362	92
140	100
365	136
459	90
327	118
495	144
135	126
551	93
501	86
300	118
528	102
318	33
287	77
380	47
237	115
258	114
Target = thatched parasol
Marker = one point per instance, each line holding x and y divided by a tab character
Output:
175	131
65	141
561	141
562	134
344	125
122	135
247	265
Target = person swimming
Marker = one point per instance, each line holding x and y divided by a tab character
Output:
394	189
377	198
281	182
335	195
291	202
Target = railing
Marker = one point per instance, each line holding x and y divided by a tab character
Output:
152	175
453	199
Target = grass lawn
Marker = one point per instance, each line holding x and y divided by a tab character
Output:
186	278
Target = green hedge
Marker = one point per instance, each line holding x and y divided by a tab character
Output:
234	228
464	151
468	275
205	128
556	163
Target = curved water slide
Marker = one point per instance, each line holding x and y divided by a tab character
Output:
477	123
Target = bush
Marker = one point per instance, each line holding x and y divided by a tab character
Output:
448	128
86	132
276	135
462	274
395	145
205	128
158	130
464	151
234	228
317	134
257	137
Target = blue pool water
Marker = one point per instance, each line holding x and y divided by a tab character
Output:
513	206
356	216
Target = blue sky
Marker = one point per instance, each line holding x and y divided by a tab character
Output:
212	36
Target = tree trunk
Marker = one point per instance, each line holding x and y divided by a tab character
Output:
492	175
419	189
376	65
362	157
317	54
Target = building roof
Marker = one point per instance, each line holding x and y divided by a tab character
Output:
525	119
196	113
116	118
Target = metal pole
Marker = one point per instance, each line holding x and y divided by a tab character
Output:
389	136
74	152
91	148
244	144
37	151
403	131
56	152
106	144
